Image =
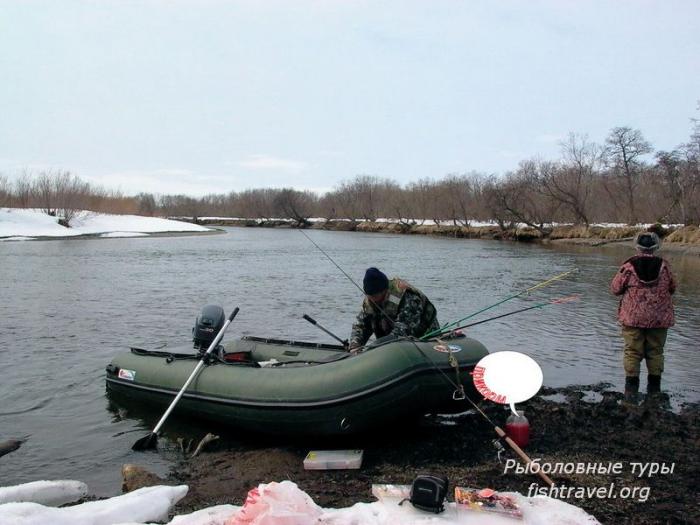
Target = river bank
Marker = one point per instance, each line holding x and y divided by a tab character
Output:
684	239
571	425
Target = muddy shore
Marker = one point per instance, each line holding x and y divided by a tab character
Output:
569	425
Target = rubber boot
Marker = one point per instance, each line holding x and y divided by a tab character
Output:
653	385
631	390
654	396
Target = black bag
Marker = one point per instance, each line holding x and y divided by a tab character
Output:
428	493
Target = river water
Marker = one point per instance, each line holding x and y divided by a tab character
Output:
67	306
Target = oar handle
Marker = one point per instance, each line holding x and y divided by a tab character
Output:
233	315
196	370
313	322
522	454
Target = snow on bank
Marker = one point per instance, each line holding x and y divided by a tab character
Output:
52	493
276	503
19	224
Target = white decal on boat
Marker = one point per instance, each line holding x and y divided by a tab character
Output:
446	349
129	375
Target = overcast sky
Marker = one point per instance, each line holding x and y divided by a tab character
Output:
209	96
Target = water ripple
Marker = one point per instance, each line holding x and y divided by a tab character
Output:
87	300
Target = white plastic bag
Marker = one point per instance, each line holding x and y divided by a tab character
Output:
277	504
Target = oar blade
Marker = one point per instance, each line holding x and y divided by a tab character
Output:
146	443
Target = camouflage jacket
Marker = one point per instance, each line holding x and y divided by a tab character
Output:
408	313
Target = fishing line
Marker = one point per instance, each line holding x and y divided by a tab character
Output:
561	300
527	291
346	275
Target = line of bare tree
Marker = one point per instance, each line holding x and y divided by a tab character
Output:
61	195
620	180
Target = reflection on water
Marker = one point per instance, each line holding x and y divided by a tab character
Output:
68	306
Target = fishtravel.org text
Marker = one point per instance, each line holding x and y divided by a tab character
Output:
610	491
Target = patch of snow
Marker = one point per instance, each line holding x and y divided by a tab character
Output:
17	222
217	515
555	398
142	505
52	493
280	503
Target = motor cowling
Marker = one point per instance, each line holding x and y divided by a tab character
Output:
207	325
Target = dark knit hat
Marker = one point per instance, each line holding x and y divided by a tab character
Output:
374	281
647	242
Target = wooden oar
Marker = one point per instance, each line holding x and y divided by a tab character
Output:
151	439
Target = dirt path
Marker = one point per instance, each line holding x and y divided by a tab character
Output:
566	427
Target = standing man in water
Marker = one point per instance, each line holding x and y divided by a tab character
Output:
391	307
646	284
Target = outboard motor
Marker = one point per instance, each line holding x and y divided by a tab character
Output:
207	326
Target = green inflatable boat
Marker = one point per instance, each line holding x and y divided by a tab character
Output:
298	388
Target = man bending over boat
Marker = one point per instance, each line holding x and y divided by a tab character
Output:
391	307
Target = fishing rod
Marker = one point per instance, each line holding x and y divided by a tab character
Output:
441	330
561	300
501	433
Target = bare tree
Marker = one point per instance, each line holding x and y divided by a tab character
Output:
421	197
519	198
71	195
571	181
344	203
258	203
456	194
146	203
181	206
23	190
495	202
371	195
624	147
400	206
296	205
5	191
45	193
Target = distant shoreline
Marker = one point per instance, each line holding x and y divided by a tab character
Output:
684	240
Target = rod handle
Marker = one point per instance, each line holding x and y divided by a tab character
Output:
309	319
233	314
522	455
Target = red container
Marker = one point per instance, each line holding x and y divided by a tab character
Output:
518	429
